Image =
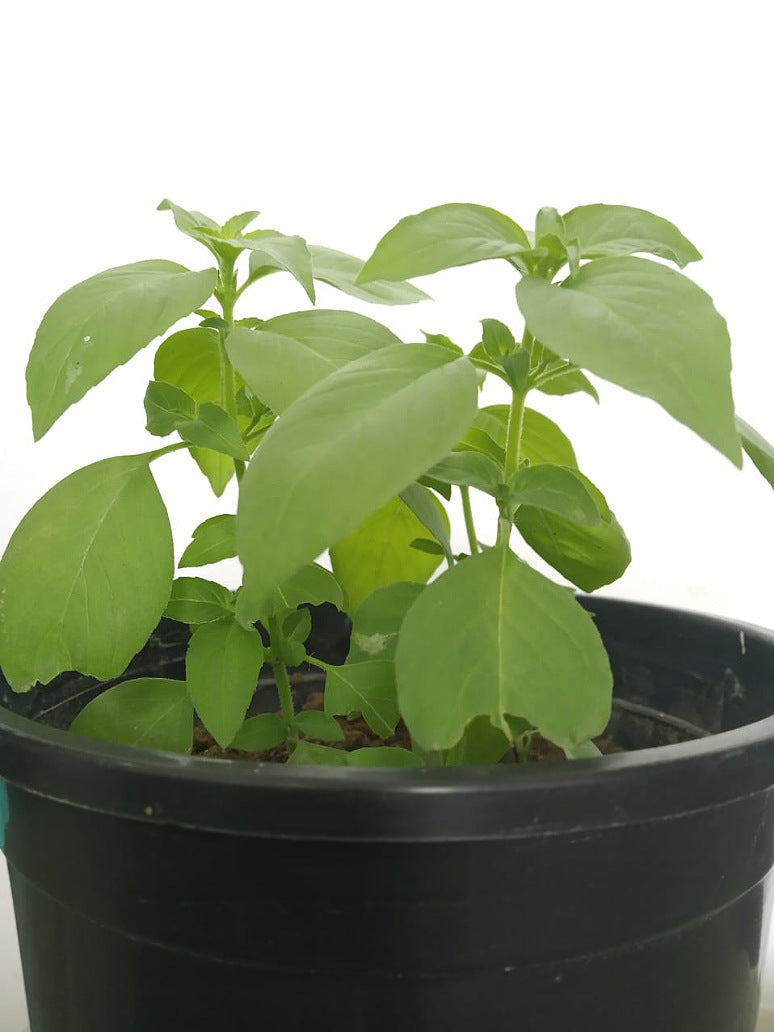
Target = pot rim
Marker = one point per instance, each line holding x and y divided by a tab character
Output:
397	804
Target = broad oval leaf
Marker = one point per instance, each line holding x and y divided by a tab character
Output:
481	745
441	238
100	324
312	584
165	406
648	329
195	600
377	622
606	230
588	556
338	335
214	428
318	755
213	540
379	552
222	667
318	725
260	733
492	637
340	452
86	575
276	250
469	469
148	712
541	438
367	689
555	489
341	270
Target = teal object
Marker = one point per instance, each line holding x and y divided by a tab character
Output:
3	812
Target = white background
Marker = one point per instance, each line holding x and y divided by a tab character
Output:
338	118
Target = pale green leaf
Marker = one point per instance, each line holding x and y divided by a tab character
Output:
195	600
648	329
222	667
238	223
606	230
481	745
758	449
469	469
555	489
341	270
165	406
260	733
148	712
86	575
340	452
338	335
213	540
379	552
367	689
541	438
318	725
377	622
100	324
441	238
215	429
492	637
430	513
312	584
276	250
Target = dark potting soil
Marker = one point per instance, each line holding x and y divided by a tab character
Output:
358	735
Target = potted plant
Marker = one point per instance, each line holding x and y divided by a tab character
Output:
157	889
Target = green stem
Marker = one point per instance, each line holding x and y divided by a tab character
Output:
281	672
515	430
227	296
470	526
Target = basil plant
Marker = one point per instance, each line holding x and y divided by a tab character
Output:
344	439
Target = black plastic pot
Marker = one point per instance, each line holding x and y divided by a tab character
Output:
158	892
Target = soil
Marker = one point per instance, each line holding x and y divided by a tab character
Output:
358	735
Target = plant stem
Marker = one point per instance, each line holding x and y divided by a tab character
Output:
227	296
281	672
469	524
515	429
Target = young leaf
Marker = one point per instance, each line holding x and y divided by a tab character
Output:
318	755
403	407
383	756
86	575
588	556
312	584
222	667
568	380
648	329
238	223
606	230
441	238
497	339
469	469
148	712
100	324
165	406
270	249
281	365
214	428
541	438
493	637
213	540
554	489
318	725
203	229
260	733
430	513
195	600
378	620
758	449
379	552
481	745
364	688
341	271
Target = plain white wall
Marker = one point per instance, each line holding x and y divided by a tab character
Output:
338	118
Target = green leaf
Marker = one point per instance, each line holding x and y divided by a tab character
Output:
341	270
428	545
237	223
270	249
165	405
364	688
318	725
608	230
493	637
481	745
148	712
317	755
441	238
554	489
213	540
260	733
100	324
203	229
497	338
379	552
214	428
469	469
282	364
383	756
377	622
86	575
648	329
444	341
758	449
190	360
541	438
340	452
588	556
195	600
566	380
312	584
222	667
430	513
582	751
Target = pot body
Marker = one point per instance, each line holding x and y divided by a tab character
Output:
164	893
